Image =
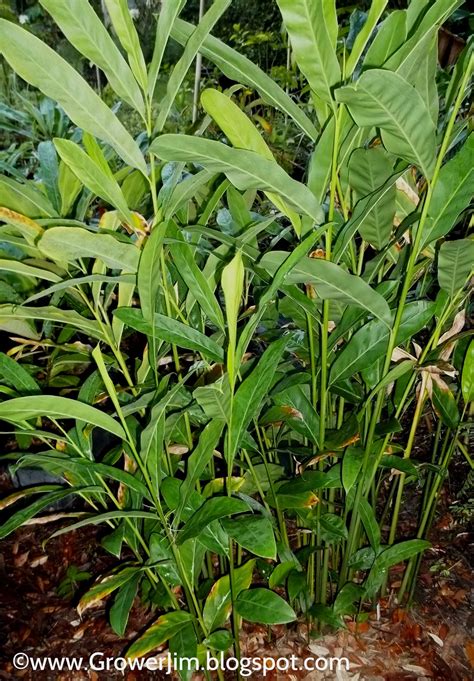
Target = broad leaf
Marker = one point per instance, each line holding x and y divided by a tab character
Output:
22	409
24	198
467	382
264	606
171	331
376	9
452	193
42	67
242	133
83	28
93	176
312	43
253	533
192	47
455	264
243	70
369	170
124	27
245	169
213	509
250	394
198	461
164	628
67	244
15	375
370	342
385	99
169	12
183	257
218	605
331	282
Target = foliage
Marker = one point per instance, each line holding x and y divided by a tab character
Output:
227	351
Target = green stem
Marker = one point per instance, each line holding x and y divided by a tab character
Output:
355	519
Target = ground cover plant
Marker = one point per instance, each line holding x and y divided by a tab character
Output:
225	365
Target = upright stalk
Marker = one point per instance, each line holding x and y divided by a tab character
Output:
415	249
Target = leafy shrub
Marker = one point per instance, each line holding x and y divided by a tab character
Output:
259	351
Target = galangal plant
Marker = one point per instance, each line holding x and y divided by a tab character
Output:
228	366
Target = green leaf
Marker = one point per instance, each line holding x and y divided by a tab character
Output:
69	188
364	211
24	198
232	282
82	27
127	34
164	628
251	393
385	99
191	48
376	9
67	244
398	464
171	331
195	280
18	327
18	313
104	588
220	640
214	399
390	35
87	470
80	281
21	517
445	405
263	606
304	419
467	380
420	71
253	533
28	270
351	465
313	43
198	460
389	557
42	67
455	264
419	24
24	408
15	375
346	597
369	169
370	523
105	518
242	134
183	648
166	18
370	342
452	193
120	610
212	509
332	528
326	615
218	605
331	282
49	172
93	176
148	279
241	69
245	169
